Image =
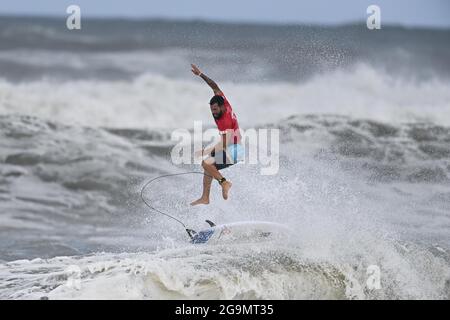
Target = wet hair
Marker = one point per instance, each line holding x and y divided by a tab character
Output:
217	99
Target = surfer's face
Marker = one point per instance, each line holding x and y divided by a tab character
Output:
216	110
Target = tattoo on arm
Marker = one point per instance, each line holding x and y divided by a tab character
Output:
211	83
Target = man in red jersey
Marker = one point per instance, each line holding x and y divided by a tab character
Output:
228	151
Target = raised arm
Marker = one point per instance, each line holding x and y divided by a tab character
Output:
195	70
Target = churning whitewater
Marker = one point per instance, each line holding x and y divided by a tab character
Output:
363	181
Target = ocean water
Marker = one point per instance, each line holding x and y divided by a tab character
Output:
86	119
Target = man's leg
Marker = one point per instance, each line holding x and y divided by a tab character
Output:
207	179
211	169
211	172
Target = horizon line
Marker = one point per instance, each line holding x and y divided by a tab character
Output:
223	21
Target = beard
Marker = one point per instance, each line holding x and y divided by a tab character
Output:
218	116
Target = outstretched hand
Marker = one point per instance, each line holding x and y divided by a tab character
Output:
195	70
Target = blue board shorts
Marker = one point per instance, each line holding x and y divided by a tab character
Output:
233	154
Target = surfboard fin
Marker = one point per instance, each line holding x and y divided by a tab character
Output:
211	224
191	233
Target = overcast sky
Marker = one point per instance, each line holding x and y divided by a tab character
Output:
431	13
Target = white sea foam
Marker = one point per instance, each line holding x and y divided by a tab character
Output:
343	225
154	101
228	272
357	193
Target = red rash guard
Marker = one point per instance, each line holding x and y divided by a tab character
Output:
228	121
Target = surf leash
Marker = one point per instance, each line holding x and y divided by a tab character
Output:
190	232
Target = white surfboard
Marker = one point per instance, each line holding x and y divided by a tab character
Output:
242	232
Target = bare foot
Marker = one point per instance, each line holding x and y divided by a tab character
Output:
200	201
226	185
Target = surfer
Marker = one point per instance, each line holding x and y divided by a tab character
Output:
228	150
